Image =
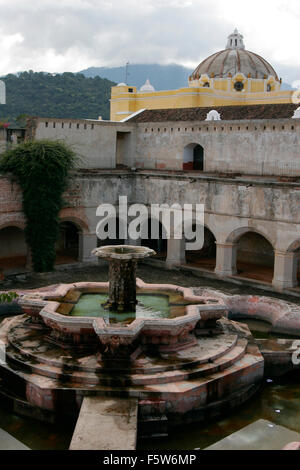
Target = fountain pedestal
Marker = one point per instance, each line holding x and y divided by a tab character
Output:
122	286
122	274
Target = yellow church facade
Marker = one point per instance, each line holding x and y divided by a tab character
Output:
230	77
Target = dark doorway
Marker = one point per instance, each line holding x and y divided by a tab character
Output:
67	247
159	245
198	156
255	257
206	257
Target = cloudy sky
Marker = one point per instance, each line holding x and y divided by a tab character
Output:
71	35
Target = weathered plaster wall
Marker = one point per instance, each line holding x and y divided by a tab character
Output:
10	204
264	147
93	141
233	207
272	209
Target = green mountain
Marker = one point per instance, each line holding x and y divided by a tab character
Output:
66	95
162	77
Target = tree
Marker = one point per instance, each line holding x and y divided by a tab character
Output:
42	169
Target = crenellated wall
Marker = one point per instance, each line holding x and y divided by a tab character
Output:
251	147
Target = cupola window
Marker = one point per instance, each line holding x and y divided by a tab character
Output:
239	86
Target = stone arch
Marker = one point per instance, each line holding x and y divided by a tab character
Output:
193	157
17	224
255	255
206	257
294	246
81	224
236	234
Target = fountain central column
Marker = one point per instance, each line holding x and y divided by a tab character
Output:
122	285
122	274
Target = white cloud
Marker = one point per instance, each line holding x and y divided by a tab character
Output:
60	35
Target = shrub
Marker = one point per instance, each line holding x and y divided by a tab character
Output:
41	168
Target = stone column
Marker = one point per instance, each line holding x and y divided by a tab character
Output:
87	242
122	285
226	259
285	270
131	242
176	252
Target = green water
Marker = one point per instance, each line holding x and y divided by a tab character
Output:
149	306
278	401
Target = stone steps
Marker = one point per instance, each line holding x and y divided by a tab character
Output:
207	350
159	389
228	358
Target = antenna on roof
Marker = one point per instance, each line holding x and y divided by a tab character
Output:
126	73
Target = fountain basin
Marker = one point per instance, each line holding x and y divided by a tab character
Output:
168	332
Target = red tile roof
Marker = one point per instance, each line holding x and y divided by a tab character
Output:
228	113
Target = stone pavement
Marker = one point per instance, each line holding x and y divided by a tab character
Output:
8	442
106	424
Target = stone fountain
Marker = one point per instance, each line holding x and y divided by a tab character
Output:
170	348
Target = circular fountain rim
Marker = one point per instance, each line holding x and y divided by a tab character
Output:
130	252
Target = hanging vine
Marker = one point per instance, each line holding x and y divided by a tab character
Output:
42	169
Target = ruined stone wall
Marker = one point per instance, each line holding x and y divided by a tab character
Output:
10	203
232	207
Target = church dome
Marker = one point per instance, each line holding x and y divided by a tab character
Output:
234	59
